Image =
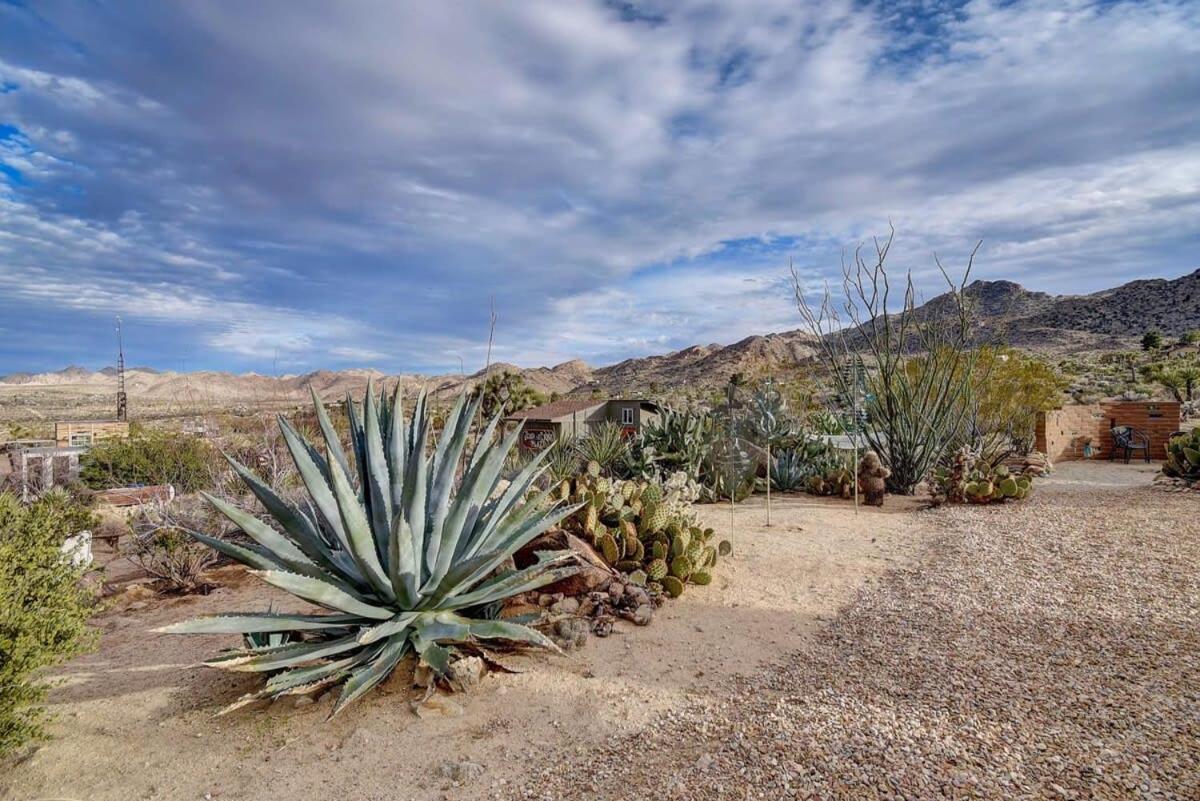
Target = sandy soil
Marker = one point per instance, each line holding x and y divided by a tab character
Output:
136	717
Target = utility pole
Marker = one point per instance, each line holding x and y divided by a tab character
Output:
122	410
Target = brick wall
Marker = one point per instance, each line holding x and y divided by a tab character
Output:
1061	432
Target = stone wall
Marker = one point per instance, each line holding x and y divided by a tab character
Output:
1061	433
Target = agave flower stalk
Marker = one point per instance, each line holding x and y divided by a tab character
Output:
398	549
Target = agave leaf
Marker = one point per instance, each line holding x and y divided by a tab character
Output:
333	444
388	628
358	532
501	587
416	487
397	450
438	626
402	570
364	678
316	481
443	539
475	490
378	479
246	556
323	593
251	623
510	499
484	475
432	654
483	446
295	523
503	630
259	531
285	655
357	439
299	676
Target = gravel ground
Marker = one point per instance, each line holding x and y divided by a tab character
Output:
1043	650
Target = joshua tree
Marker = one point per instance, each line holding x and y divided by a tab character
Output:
506	392
915	365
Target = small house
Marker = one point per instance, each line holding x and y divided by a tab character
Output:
576	418
83	433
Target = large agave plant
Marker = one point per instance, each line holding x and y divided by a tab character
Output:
398	549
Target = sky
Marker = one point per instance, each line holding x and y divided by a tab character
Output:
287	186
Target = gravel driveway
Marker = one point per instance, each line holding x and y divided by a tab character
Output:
1049	649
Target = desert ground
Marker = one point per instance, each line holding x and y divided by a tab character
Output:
1041	650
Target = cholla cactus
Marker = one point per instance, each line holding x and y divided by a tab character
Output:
398	557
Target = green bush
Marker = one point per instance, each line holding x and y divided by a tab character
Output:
149	457
43	608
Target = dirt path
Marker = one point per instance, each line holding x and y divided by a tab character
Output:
136	718
1043	651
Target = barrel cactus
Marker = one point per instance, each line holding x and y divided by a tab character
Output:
396	545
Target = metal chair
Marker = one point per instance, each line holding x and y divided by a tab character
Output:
1129	440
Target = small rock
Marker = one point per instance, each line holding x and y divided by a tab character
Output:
437	706
704	762
643	615
304	700
460	772
467	672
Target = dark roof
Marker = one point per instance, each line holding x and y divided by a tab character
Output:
556	409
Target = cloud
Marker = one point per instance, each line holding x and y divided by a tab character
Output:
362	182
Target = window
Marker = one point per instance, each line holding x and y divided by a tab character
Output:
627	415
83	438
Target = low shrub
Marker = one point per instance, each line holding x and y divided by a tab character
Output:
43	608
161	543
150	457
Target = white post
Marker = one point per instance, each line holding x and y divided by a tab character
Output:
768	483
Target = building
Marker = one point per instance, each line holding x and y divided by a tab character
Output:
35	466
1083	431
575	418
77	433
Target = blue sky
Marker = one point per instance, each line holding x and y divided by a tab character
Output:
295	185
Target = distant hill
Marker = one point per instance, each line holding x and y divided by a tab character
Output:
1004	312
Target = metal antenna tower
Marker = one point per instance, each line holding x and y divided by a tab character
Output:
121	401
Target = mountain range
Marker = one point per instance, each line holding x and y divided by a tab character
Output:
1004	312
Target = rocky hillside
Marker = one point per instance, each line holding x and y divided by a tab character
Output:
1004	312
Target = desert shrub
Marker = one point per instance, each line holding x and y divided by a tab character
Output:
605	445
1180	377
794	467
150	457
562	459
161	543
908	368
43	608
682	440
1008	389
1152	340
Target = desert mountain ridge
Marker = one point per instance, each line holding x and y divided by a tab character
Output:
1004	312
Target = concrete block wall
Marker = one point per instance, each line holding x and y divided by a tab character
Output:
1061	432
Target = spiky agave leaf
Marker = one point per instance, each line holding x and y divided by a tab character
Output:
396	548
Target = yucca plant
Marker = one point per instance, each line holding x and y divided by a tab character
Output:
396	556
605	445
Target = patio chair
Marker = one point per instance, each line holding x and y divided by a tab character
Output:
1129	440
